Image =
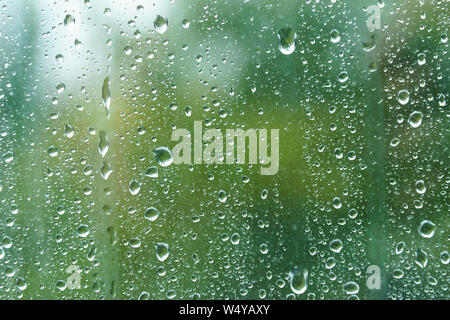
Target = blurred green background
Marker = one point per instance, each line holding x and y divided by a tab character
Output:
358	163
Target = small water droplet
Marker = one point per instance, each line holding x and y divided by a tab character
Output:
106	95
343	77
335	36
103	144
8	157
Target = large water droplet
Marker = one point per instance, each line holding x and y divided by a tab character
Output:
83	231
163	156
160	24
69	21
336	245
351	287
286	41
152	172
420	187
222	196
134	187
298	280
415	119
162	251
427	229
52	151
421	258
151	214
403	96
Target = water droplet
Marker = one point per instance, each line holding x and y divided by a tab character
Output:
103	144
151	214
403	96
263	248
421	59
286	41
235	238
185	23
160	24
59	57
421	258
371	44
335	36
68	131
21	284
336	245
427	229
222	196
162	251
264	194
8	157
60	88
69	21
163	156
152	172
134	187
298	280
420	187
106	95
343	76
415	119
445	257
83	231
135	242
52	151
352	213
106	170
337	203
144	296
351	287
400	247
397	273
